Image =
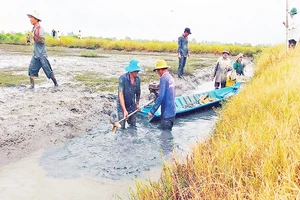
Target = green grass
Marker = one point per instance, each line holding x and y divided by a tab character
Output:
8	78
148	75
192	64
95	81
88	53
16	77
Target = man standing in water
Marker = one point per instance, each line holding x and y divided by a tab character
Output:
129	93
39	59
183	51
166	96
293	28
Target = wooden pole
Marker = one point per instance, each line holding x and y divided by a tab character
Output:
287	25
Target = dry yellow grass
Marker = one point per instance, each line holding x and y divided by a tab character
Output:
133	45
254	152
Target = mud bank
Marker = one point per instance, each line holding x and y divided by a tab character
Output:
34	119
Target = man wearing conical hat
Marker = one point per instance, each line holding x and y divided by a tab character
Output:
129	92
39	59
293	28
166	96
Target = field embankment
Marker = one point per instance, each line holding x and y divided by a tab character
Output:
254	152
134	45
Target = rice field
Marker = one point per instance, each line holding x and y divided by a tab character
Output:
133	45
254	152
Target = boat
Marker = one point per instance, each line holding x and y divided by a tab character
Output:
189	103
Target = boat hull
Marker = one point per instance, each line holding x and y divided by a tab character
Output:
189	103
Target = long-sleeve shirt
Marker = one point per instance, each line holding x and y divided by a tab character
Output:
221	70
131	92
293	28
239	67
183	46
166	97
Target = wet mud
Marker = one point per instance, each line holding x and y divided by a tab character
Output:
34	119
56	143
125	154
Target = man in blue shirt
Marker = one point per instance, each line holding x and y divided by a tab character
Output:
183	51
39	59
129	93
166	96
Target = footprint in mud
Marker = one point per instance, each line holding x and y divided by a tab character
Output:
74	110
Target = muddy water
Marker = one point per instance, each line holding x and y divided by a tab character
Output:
102	165
95	164
125	154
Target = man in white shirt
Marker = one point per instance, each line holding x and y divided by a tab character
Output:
293	28
221	70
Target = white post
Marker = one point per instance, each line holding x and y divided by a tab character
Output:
287	25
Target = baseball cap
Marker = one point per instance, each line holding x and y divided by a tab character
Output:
188	30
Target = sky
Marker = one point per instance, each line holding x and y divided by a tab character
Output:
228	21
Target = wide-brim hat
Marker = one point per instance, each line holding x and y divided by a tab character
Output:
240	55
226	51
133	66
35	14
161	64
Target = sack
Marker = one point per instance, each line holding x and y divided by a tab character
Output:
232	75
229	82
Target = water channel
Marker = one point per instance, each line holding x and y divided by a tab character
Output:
100	164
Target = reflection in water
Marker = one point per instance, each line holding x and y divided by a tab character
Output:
127	153
166	143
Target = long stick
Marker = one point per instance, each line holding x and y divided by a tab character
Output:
128	115
146	104
116	124
287	25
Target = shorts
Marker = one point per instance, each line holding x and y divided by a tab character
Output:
37	63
